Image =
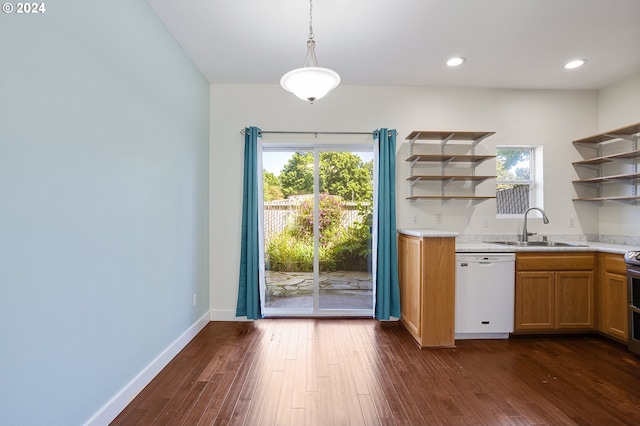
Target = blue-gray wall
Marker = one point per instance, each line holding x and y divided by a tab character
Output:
104	127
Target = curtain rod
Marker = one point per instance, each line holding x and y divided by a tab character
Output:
285	132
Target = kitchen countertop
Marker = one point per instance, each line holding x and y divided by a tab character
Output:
428	233
500	248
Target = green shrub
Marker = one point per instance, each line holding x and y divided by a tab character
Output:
287	252
329	218
340	248
352	250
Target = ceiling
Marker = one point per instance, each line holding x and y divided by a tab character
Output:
507	43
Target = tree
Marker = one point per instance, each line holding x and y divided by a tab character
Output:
511	157
346	175
508	159
341	173
297	175
272	189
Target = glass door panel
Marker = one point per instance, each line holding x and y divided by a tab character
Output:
288	194
344	230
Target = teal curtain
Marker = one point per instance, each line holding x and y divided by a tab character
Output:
249	282
387	288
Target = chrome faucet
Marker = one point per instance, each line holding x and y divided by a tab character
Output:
525	234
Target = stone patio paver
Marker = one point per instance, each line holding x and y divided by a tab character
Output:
282	285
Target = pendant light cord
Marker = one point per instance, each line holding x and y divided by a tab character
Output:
311	20
310	60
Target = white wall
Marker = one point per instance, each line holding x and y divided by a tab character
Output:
104	144
619	106
524	117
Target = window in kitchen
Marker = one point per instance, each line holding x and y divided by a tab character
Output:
518	179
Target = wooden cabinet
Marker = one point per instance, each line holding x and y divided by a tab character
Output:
575	300
535	300
611	296
426	271
409	275
555	292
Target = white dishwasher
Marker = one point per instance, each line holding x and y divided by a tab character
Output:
485	287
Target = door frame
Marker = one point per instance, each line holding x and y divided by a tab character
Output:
316	149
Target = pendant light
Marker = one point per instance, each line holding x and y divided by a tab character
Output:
310	82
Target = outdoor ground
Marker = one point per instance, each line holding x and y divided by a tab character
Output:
338	290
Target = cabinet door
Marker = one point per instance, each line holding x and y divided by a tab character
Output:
534	301
615	305
438	292
575	305
409	275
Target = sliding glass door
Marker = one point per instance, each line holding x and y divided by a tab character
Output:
317	239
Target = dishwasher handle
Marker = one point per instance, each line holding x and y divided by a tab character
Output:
481	263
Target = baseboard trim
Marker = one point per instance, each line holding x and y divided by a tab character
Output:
225	315
119	402
467	336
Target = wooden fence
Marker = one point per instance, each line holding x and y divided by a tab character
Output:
513	200
278	214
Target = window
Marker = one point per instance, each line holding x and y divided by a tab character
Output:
517	173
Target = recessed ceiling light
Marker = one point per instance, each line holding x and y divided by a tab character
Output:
454	62
575	64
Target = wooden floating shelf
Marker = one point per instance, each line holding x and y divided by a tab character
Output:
619	199
608	158
441	158
447	178
448	135
449	197
608	178
621	133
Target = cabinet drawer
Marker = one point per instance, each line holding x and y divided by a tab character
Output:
555	261
613	263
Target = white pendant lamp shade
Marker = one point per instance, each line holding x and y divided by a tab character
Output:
310	83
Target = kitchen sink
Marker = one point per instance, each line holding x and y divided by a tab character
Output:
536	244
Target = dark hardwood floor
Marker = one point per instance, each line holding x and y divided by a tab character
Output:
362	372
